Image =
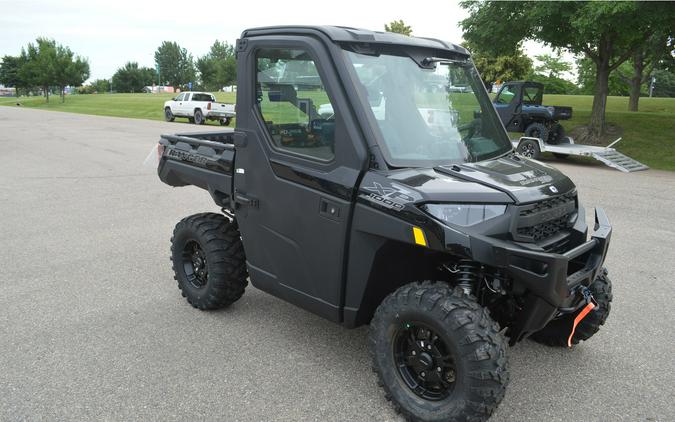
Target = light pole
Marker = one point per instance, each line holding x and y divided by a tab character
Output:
159	79
651	86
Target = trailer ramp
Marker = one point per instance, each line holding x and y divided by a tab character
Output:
619	161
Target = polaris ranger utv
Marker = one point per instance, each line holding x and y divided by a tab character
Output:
519	106
429	229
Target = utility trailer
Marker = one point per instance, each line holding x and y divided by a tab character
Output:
533	147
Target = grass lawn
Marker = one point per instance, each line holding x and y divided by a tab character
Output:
648	135
138	106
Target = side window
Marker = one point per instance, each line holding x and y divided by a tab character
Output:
180	97
530	95
506	96
294	103
186	96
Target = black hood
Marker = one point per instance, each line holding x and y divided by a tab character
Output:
524	180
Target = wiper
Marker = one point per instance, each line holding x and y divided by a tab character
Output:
431	61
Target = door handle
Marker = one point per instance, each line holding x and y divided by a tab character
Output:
241	199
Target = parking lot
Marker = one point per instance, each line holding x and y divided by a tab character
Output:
92	326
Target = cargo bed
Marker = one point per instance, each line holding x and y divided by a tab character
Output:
202	159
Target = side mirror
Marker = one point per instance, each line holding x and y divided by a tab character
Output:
173	99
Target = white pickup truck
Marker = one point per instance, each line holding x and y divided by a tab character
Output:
198	107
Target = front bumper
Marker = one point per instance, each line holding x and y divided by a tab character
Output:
551	281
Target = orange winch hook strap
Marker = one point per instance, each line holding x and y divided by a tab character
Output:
588	308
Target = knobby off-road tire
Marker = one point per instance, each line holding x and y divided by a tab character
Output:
557	332
208	261
537	130
556	134
168	115
461	337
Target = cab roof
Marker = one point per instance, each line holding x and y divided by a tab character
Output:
355	35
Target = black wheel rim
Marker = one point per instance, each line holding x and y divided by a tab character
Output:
194	264
198	117
527	150
424	361
167	113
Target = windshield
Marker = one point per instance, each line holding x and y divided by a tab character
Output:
432	115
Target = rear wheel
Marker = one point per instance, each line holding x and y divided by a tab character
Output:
199	117
529	148
537	130
557	332
168	115
556	134
438	354
208	261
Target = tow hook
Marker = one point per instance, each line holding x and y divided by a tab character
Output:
591	304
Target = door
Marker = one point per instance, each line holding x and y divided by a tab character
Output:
509	105
184	105
296	171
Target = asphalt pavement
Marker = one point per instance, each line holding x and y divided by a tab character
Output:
92	326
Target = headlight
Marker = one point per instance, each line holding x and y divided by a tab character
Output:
464	214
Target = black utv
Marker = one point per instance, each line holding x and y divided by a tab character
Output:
519	106
357	189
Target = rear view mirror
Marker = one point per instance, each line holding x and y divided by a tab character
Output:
374	97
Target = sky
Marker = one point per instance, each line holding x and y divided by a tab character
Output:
111	33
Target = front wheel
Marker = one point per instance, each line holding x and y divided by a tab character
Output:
438	354
556	333
537	130
208	261
168	115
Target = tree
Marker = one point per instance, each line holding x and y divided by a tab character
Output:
9	73
608	33
586	78
399	27
506	67
132	78
550	66
101	85
218	68
665	83
39	64
175	64
69	70
658	50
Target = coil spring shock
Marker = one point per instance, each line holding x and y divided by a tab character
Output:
498	283
467	275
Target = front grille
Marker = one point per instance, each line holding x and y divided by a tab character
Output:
548	204
541	220
544	230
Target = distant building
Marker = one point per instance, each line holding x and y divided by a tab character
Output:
154	89
7	92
